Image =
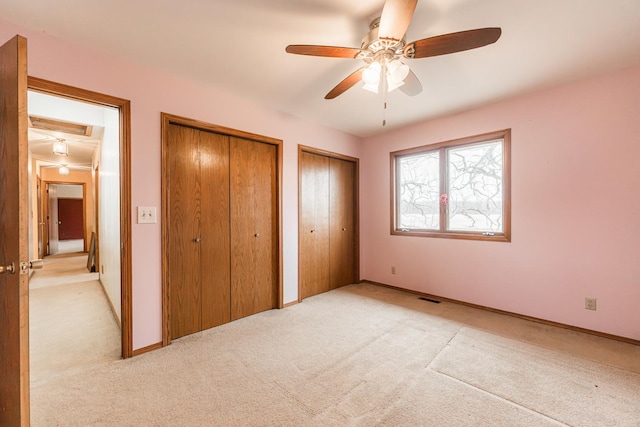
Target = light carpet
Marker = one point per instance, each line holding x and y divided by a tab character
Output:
361	355
71	325
62	270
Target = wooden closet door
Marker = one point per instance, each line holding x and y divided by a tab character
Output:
342	238
253	174
314	225
214	230
184	216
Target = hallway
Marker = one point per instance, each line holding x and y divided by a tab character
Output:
71	323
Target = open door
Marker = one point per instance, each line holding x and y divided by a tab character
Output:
14	239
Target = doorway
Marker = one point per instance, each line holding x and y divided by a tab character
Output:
88	194
64	220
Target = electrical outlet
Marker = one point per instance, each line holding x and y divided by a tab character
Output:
147	215
590	303
393	270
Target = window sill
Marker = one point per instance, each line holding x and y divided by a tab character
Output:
453	235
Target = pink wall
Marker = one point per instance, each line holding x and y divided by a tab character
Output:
575	209
151	92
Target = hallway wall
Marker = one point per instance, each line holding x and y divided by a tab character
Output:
75	177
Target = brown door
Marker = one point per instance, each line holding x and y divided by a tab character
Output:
183	250
314	224
70	219
214	226
14	287
198	249
328	223
342	265
221	235
253	172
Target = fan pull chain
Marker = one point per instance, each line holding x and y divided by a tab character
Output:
384	115
383	77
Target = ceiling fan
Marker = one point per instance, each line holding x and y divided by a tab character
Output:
384	46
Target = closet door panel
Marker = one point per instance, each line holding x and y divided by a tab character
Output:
342	236
214	225
314	225
185	210
253	174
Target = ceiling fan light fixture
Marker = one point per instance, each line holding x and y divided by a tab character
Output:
371	74
63	170
372	88
60	148
397	71
393	85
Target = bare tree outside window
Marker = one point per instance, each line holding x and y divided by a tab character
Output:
458	189
420	191
475	187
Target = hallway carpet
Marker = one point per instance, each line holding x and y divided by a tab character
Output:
71	325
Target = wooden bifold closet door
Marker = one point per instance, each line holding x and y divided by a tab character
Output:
199	256
328	223
253	226
222	236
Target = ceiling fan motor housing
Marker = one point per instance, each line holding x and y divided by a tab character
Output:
375	49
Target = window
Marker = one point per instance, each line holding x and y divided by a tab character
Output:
457	189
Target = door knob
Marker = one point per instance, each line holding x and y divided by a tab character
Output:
197	240
313	231
257	235
344	229
11	268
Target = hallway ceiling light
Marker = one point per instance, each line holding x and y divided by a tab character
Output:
63	170
60	148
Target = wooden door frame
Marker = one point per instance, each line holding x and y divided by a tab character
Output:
45	195
40	217
356	213
96	216
124	108
167	120
45	216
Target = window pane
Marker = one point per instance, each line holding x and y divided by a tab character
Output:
419	191
475	188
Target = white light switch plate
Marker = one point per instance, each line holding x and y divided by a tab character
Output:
147	215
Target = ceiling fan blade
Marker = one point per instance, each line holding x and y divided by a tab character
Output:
347	83
395	19
328	51
412	85
450	43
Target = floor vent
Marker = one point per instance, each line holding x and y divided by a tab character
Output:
435	301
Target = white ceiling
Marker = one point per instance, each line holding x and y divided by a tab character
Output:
81	149
239	46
